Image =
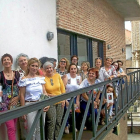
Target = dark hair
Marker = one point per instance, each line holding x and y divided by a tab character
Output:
96	71
6	55
114	93
74	56
118	65
120	61
70	67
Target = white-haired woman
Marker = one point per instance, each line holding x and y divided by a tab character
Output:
54	86
22	61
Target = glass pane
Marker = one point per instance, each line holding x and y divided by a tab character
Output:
82	50
63	46
94	51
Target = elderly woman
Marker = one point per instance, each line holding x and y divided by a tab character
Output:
62	66
108	71
98	63
22	61
72	81
9	80
54	86
90	80
31	89
84	69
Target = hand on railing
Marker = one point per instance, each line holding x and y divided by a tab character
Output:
46	108
63	103
1	93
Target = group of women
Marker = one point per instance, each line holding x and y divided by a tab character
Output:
33	79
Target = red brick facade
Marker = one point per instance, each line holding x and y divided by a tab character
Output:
96	19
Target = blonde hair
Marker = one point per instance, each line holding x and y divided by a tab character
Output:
67	63
30	62
87	63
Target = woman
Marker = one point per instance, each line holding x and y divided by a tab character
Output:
31	89
62	66
9	80
98	63
54	87
92	79
22	61
74	60
84	69
72	82
108	71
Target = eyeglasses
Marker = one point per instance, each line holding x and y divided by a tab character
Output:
74	59
63	61
51	81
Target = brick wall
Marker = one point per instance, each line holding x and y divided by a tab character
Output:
94	18
123	130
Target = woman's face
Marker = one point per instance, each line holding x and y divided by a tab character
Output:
84	67
98	63
74	60
109	62
7	63
73	69
62	63
109	90
33	68
91	75
49	70
22	61
115	65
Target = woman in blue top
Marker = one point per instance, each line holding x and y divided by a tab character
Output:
91	80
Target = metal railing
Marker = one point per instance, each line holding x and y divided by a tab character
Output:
128	92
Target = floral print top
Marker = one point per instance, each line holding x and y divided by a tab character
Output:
6	88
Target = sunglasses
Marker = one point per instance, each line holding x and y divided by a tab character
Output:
98	58
51	81
63	61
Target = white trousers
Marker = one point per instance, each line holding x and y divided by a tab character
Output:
30	119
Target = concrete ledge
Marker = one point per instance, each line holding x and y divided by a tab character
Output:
129	9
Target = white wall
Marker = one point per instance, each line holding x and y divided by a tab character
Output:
23	28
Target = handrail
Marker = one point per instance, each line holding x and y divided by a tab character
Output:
128	93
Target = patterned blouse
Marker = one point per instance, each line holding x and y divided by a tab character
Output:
104	75
6	88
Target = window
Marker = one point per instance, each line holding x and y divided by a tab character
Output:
82	50
87	49
63	46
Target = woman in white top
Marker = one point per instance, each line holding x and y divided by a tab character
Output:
108	71
72	82
31	88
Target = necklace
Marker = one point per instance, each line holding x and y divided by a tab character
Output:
8	74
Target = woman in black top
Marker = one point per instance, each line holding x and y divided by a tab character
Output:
9	81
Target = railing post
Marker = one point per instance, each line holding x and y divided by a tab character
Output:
131	86
73	122
42	134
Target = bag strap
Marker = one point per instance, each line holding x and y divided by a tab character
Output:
12	85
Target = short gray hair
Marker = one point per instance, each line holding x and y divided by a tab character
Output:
47	64
21	55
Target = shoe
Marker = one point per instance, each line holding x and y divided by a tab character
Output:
67	130
85	128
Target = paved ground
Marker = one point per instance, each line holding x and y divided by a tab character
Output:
133	137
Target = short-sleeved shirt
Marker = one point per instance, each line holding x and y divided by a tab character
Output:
85	83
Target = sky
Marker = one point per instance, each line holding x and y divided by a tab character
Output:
128	25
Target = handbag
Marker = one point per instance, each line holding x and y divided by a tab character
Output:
9	105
